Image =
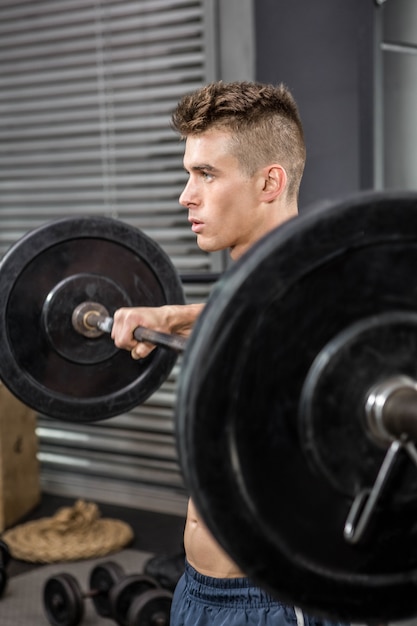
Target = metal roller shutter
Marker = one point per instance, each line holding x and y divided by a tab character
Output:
86	92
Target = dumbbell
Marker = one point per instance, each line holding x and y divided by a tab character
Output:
151	608
4	561
127	593
63	598
111	591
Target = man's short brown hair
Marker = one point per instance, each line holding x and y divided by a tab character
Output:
263	122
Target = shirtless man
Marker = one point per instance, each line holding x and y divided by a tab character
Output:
245	155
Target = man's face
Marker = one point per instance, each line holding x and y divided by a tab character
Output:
222	201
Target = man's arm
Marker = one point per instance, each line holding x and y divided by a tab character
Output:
176	319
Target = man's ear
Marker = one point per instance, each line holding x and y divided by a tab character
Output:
275	182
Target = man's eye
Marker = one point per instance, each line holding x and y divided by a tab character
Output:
207	175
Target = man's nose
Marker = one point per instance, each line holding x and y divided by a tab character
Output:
188	195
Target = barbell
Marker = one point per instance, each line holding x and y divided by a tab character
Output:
296	409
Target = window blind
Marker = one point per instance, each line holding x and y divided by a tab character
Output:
87	88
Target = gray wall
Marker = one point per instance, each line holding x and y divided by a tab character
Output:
399	94
324	51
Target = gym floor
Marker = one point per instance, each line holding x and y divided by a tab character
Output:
154	532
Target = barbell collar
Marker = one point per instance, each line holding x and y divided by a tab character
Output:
391	409
364	505
85	318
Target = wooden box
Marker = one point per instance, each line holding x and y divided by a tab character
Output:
19	466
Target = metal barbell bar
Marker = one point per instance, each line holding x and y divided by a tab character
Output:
92	319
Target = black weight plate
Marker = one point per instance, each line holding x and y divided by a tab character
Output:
63	600
103	577
239	443
151	608
125	591
45	362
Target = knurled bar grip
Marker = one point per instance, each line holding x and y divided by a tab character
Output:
174	342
